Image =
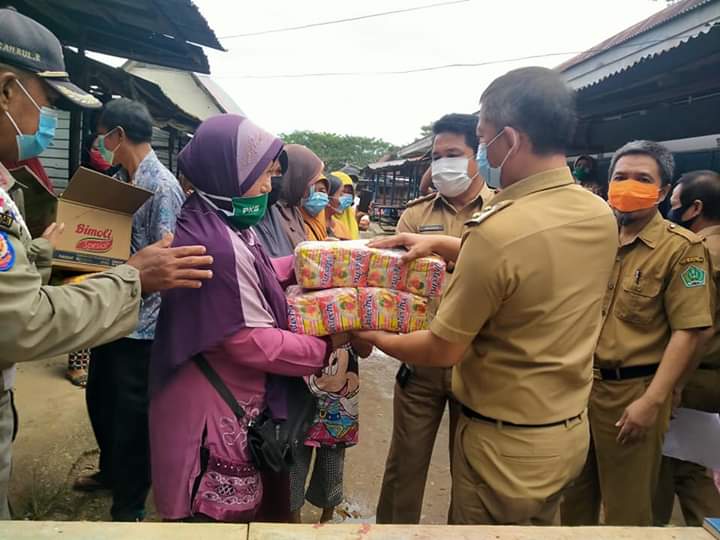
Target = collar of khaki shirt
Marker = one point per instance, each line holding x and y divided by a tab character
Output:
549	179
713	230
650	234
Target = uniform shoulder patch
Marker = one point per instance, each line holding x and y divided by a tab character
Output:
428	197
7	253
685	233
486	212
6	219
693	277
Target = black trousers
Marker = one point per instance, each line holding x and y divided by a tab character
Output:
117	402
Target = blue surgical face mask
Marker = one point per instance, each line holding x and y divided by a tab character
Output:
30	146
489	173
346	201
315	202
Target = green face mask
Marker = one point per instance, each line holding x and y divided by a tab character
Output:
246	212
580	173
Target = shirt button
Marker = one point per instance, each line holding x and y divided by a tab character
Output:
134	291
617	259
604	312
611	286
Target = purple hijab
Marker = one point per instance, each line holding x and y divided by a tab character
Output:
225	157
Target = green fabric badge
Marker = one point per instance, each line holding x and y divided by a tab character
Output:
693	277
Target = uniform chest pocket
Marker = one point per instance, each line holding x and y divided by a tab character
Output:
639	303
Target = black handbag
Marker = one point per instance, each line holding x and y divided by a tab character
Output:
271	443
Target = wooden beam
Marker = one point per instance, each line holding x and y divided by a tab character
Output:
359	531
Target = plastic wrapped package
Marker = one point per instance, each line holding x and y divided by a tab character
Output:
394	311
331	311
322	313
324	265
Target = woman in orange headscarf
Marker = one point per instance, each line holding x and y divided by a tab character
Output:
304	195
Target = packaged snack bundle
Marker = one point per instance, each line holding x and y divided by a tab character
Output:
394	311
322	313
322	265
425	276
387	270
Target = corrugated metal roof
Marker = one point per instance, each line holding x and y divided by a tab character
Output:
661	17
197	94
394	164
165	32
689	20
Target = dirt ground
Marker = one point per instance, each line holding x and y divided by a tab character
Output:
55	443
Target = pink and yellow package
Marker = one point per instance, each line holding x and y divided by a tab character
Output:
425	276
322	313
394	311
322	265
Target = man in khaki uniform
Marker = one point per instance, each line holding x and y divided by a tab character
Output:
521	315
696	206
39	321
659	301
422	392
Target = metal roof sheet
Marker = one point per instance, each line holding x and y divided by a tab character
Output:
164	32
663	16
658	34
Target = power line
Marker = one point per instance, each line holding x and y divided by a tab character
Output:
442	66
339	21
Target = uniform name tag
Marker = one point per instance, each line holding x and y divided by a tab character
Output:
431	228
693	277
689	260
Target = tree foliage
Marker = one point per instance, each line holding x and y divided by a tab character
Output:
339	150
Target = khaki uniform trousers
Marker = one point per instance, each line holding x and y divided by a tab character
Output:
418	409
623	477
8	430
695	488
702	391
514	476
692	483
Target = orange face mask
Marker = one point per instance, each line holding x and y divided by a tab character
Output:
631	195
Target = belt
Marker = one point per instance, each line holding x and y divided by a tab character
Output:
477	416
708	366
622	373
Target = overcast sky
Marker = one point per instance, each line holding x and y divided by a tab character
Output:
393	107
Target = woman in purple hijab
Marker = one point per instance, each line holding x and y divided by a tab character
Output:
238	320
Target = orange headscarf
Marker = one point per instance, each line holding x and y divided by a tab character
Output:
315	226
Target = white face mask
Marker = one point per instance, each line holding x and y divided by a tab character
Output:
450	176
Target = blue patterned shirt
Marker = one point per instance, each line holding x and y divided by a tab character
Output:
151	222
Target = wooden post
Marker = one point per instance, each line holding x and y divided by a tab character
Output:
392	189
76	121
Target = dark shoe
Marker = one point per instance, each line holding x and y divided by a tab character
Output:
90	483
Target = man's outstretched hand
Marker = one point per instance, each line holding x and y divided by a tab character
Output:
163	267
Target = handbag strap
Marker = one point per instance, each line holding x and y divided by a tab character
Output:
212	376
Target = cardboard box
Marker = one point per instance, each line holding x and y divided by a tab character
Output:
97	211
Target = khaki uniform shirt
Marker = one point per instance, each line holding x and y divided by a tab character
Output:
526	297
434	214
711	235
661	282
40	321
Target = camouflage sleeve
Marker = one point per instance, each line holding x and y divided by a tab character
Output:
40	321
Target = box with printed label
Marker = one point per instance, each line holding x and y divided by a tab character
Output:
97	211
